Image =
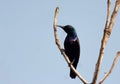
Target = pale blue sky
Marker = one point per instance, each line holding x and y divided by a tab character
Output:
28	54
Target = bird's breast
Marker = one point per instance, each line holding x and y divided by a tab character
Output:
71	39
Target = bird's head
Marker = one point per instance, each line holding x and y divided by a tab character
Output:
68	29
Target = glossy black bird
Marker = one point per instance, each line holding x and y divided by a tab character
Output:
72	46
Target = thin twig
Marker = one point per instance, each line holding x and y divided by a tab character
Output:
110	71
55	30
108	13
61	50
107	32
113	16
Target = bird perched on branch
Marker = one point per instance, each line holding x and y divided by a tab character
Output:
72	46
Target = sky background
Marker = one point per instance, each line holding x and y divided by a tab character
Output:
28	54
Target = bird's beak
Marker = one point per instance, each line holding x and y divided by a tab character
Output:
60	26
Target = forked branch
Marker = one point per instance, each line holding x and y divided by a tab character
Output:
107	31
111	69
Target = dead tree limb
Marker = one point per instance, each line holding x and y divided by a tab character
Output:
107	31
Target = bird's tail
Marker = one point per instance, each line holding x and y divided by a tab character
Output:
72	74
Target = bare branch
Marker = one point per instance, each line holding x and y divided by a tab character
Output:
55	30
61	50
108	13
107	32
103	44
114	14
110	71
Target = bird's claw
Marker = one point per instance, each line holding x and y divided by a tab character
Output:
62	50
71	63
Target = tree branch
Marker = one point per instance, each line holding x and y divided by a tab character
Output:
110	71
107	32
114	14
108	13
61	50
103	43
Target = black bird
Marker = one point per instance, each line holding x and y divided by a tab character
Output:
72	46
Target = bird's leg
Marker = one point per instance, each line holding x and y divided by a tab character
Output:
71	63
62	50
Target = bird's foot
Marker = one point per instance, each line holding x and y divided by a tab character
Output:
71	63
62	50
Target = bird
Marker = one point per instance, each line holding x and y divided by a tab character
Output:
71	46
